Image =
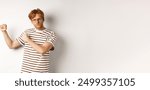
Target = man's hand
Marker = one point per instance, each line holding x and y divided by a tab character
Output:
25	37
3	27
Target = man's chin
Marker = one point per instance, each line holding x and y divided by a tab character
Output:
38	27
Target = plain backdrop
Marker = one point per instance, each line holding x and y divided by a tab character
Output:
92	35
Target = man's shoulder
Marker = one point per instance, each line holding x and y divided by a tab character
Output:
30	30
48	31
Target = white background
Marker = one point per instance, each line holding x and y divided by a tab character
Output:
93	35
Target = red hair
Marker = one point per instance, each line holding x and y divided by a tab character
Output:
33	13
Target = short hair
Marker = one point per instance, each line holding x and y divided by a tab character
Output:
33	13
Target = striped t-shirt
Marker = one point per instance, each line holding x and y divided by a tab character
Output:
32	60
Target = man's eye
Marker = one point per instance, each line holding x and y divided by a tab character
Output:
37	19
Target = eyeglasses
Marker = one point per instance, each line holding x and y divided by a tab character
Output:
39	20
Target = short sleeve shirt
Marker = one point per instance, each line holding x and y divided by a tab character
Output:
32	60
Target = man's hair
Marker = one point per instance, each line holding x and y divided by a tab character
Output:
33	13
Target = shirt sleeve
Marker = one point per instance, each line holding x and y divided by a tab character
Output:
51	38
20	40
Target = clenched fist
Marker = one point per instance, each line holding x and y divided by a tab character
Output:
3	27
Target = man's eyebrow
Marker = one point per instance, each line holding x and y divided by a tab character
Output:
38	18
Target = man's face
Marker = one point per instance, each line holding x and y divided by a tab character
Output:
37	21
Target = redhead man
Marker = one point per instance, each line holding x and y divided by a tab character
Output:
38	42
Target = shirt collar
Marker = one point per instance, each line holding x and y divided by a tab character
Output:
39	31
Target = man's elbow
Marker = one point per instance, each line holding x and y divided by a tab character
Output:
43	51
12	47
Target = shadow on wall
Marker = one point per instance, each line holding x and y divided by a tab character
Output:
55	55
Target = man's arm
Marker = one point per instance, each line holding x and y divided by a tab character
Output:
10	43
45	47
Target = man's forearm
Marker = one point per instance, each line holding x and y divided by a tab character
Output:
7	39
37	47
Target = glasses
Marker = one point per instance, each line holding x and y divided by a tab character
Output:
39	20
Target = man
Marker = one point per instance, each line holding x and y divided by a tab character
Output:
38	42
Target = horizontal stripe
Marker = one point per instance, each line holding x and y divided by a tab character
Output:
31	56
34	70
35	52
36	56
35	66
23	70
29	53
36	62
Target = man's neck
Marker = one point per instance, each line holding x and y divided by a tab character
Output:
40	28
